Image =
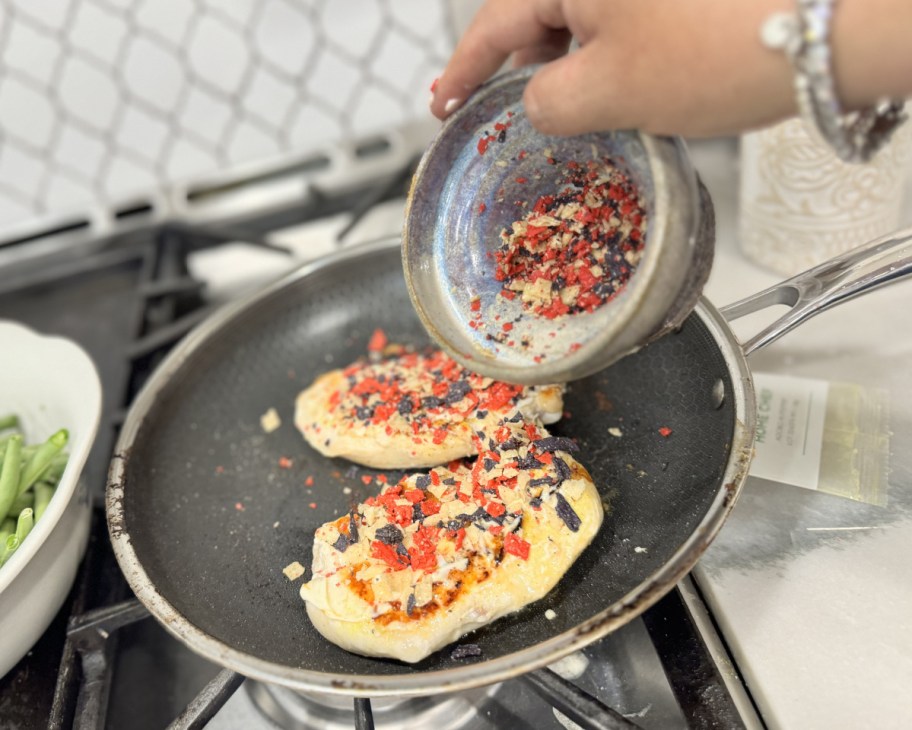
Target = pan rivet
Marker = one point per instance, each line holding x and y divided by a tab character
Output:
718	394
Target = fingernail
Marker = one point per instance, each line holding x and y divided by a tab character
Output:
452	105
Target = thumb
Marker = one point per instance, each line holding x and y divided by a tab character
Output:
575	94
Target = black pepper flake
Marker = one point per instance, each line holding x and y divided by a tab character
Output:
405	406
489	464
400	550
541	480
417	512
481	414
389	534
528	462
423	481
365	413
563	471
431	401
458	391
341	544
352	528
555	443
465	651
511	444
515	418
410	606
459	522
567	513
535	502
449	481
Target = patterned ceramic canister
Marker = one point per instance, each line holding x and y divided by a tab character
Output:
800	205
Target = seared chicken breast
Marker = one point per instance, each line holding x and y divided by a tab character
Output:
410	411
441	554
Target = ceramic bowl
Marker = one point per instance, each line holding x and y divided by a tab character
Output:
51	383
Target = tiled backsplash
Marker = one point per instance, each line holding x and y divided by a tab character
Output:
103	100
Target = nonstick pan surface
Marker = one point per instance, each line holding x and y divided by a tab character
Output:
203	517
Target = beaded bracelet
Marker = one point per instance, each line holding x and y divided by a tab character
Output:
804	37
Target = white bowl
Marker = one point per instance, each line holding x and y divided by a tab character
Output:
52	384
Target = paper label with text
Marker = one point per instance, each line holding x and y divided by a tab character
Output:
791	412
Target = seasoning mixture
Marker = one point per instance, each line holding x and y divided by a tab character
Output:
576	250
400	575
412	409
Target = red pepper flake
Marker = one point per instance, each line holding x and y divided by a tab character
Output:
475	305
440	435
401	514
388	554
522	155
382	478
285	462
665	431
220	469
435	478
482	208
516	546
377	341
239	506
521	180
575	346
366	478
507	326
312	505
309	482
495	509
430	507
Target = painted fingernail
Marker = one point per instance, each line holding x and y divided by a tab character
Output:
452	105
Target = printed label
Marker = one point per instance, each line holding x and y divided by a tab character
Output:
791	412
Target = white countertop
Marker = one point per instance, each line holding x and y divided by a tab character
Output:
818	620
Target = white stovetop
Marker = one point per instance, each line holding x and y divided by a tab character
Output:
819	621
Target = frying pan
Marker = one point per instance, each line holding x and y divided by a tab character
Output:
203	518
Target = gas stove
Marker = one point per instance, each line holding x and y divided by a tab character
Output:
128	296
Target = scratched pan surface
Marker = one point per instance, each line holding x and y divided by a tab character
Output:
203	518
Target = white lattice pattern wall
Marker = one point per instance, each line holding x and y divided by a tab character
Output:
104	99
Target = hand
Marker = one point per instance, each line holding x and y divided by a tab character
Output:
690	67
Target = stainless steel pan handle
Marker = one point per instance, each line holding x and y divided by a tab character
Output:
875	264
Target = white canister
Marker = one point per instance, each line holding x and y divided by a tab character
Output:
801	205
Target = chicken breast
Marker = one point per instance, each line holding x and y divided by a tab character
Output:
411	411
441	554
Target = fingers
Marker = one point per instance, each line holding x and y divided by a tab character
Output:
500	28
573	95
554	47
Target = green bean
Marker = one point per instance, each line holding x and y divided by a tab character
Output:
9	475
7	528
10	421
8	548
43	494
25	523
41	459
55	470
23	501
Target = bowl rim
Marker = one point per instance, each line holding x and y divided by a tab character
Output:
79	447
